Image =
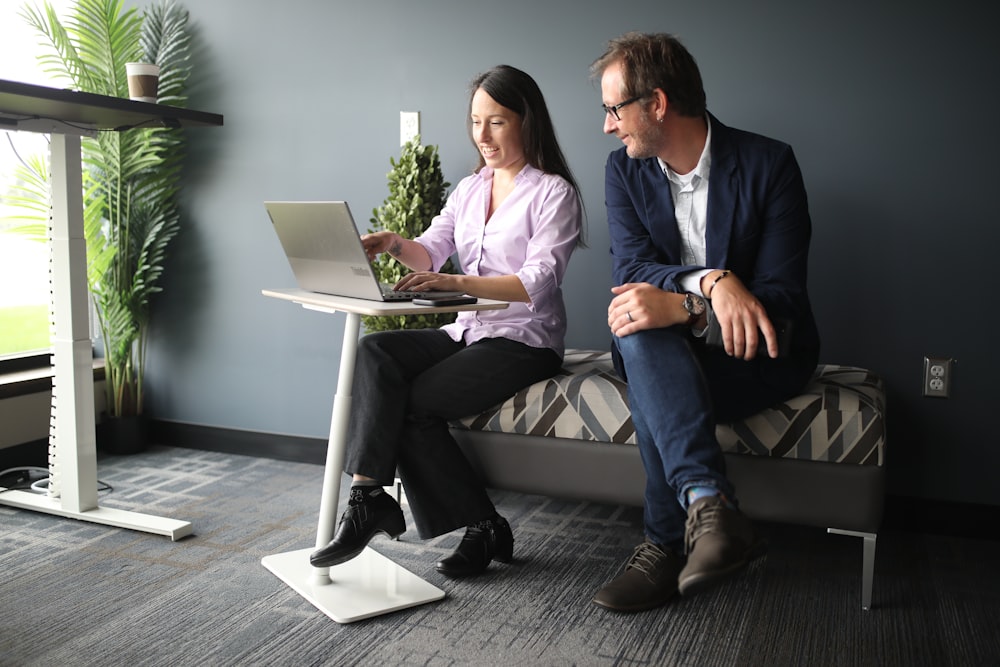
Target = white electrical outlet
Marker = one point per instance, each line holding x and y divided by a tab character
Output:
409	125
937	377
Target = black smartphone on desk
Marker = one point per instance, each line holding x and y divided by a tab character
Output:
431	300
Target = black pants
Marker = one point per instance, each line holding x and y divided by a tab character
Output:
407	386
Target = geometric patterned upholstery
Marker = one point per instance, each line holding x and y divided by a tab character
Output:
839	417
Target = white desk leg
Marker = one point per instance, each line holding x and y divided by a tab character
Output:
73	461
370	584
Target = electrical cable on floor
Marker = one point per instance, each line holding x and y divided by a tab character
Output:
41	485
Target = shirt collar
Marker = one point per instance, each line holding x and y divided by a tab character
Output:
528	172
704	162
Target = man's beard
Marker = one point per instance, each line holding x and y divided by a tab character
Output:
643	140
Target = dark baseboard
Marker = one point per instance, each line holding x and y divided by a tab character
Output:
248	443
902	513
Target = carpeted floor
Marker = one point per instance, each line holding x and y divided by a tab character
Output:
74	593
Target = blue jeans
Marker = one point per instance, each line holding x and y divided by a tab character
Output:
678	390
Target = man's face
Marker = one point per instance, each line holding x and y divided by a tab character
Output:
634	126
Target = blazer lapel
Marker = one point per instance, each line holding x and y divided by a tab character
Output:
659	206
723	193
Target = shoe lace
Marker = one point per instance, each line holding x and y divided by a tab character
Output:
647	558
705	518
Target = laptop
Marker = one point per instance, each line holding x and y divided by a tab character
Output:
324	249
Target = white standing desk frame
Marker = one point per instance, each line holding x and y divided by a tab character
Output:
67	115
73	463
370	584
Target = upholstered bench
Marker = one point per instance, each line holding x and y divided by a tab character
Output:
816	459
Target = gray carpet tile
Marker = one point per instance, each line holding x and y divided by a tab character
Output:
74	593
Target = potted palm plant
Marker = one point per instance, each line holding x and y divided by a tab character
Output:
131	179
417	192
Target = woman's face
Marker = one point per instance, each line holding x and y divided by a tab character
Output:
497	132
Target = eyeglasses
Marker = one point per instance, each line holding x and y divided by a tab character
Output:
613	110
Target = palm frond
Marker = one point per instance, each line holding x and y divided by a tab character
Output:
167	43
29	194
107	37
30	191
63	62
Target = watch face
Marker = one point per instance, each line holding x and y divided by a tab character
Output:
694	305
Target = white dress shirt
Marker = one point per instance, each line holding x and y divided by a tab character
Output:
690	194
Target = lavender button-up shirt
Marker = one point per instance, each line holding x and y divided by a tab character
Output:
531	235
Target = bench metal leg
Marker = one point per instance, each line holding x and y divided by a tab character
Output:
867	563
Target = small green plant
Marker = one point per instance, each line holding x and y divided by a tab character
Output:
417	193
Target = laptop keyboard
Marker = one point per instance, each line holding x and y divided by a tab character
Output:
396	294
405	295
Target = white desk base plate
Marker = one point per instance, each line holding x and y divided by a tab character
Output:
148	523
365	586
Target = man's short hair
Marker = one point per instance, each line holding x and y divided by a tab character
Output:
656	60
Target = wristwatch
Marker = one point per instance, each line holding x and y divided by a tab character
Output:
695	307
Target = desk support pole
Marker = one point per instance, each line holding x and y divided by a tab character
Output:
73	452
337	442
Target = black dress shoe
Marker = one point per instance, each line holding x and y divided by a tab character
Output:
370	510
483	542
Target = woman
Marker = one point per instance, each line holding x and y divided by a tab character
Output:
513	224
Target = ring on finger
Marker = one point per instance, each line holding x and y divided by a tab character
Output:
628	314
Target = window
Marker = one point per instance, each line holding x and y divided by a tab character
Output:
24	262
24	257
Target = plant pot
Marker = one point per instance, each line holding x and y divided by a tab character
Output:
123	435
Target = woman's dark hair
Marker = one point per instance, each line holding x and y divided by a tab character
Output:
516	90
656	60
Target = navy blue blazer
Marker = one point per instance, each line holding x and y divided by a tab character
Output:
758	226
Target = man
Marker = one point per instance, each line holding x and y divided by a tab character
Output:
709	231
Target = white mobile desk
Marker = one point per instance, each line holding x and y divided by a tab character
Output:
67	115
370	584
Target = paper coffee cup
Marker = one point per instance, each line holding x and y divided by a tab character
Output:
143	79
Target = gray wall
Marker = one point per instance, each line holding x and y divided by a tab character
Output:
884	107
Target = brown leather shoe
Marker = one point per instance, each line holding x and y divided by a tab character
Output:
649	580
718	540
